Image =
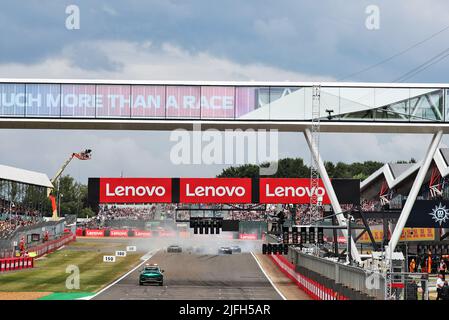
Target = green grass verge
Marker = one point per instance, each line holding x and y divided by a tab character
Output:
49	274
66	295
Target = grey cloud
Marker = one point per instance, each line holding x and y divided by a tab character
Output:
326	37
91	57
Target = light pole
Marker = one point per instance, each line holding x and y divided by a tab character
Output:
59	203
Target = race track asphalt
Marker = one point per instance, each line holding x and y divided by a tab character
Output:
195	276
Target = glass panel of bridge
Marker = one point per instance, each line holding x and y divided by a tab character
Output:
78	100
43	100
392	104
329	103
426	105
147	101
183	102
217	102
447	105
12	100
252	103
355	103
286	103
113	101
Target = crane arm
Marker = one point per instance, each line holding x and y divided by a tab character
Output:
61	170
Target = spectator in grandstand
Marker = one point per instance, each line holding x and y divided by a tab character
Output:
412	266
439	285
428	263
442	268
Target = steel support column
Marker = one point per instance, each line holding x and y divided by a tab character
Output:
414	192
331	193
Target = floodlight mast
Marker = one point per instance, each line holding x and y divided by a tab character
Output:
83	155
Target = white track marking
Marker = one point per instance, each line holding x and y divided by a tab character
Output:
147	257
268	277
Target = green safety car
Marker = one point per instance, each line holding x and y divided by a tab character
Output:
151	273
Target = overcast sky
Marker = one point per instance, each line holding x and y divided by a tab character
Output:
211	40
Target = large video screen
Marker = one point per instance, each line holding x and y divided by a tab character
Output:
137	101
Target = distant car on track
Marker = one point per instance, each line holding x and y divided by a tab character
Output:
224	250
151	274
174	248
236	249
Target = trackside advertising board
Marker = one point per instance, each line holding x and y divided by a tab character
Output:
205	190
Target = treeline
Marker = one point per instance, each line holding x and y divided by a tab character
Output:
295	168
74	197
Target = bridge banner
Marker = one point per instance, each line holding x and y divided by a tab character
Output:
215	190
290	190
135	190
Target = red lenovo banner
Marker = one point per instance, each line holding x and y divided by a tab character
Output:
290	190
135	190
248	236
142	234
118	233
215	190
94	233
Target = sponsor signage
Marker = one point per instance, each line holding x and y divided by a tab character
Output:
142	234
118	233
164	233
135	190
248	236
408	234
290	190
215	190
429	214
94	233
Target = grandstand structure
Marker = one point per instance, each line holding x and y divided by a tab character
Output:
22	196
284	106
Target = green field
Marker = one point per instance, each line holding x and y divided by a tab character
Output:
49	273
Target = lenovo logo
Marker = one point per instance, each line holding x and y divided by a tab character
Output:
135	190
211	191
290	190
280	191
140	191
215	190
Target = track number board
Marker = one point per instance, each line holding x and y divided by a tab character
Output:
108	258
120	253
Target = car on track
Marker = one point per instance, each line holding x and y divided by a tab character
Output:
236	249
151	273
174	248
224	250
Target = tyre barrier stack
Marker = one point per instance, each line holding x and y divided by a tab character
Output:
316	285
10	264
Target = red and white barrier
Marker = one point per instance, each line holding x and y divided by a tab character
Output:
10	264
314	289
